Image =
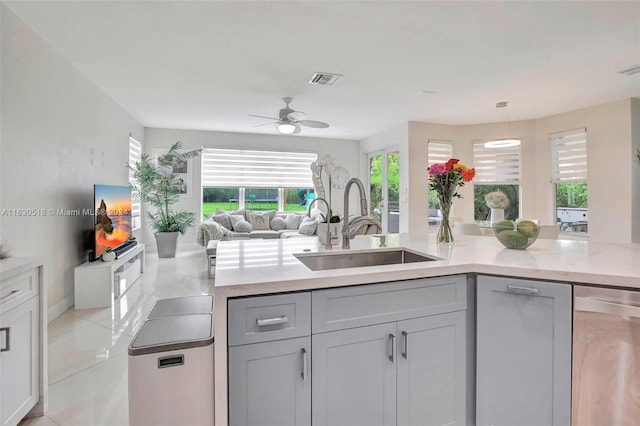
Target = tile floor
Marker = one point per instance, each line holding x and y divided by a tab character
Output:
88	348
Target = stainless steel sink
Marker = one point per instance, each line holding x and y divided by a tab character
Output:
324	261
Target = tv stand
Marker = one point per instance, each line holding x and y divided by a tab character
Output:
97	284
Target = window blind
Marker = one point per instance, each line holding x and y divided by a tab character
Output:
135	151
256	169
569	156
439	151
497	166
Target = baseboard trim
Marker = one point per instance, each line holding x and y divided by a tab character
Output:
59	308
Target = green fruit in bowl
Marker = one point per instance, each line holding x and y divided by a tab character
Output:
504	225
513	239
527	228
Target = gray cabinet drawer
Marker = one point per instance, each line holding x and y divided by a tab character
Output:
342	308
18	289
265	318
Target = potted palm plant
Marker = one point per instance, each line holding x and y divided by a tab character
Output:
157	184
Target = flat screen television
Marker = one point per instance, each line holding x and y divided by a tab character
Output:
112	226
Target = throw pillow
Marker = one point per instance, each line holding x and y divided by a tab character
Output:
235	218
243	226
261	220
309	227
277	224
223	219
292	221
241	212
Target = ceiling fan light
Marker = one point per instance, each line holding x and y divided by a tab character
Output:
286	128
502	143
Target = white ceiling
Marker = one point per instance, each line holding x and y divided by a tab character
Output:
207	65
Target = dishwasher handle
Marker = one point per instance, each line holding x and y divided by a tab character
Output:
586	304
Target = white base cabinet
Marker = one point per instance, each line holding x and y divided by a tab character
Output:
354	378
19	361
432	376
408	372
270	383
384	354
23	384
523	352
270	360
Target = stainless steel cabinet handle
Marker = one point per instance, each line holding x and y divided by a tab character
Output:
304	364
405	354
272	321
521	290
12	295
7	342
392	357
586	304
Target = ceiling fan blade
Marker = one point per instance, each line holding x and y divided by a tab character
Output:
267	124
298	129
262	116
313	123
296	116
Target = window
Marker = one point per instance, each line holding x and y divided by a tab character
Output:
497	169
437	152
135	151
569	174
257	180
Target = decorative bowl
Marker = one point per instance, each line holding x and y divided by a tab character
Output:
516	236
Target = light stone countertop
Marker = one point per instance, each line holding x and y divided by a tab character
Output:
266	266
253	267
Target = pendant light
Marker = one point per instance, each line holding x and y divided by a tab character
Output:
504	142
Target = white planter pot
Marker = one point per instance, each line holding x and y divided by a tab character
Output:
108	256
334	229
497	215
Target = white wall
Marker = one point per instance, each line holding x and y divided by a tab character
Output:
345	153
60	135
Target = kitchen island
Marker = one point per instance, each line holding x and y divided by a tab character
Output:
246	268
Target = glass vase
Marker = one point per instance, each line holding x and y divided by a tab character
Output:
445	236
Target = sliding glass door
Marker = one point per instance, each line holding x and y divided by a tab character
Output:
384	185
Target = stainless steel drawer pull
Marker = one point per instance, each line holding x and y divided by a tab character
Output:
272	321
14	294
586	304
305	365
392	357
405	354
7	341
521	290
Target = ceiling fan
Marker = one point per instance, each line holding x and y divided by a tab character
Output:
289	120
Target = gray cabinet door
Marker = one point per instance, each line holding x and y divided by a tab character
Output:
354	377
432	370
523	352
270	383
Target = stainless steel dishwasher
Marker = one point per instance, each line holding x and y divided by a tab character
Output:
606	357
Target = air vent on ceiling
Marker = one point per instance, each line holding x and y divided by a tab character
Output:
324	78
630	71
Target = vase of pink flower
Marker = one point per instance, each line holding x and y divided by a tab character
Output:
445	179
